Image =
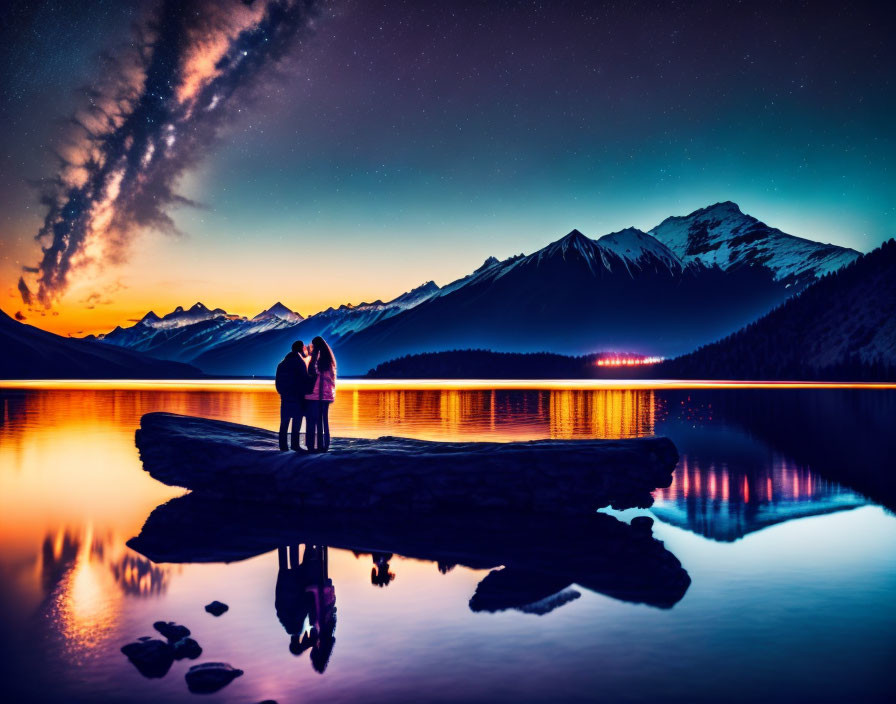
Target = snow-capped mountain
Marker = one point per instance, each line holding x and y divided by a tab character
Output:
181	317
278	311
638	249
334	324
723	236
576	295
184	334
688	281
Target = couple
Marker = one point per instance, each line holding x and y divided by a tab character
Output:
306	382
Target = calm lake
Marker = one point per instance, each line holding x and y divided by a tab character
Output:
780	513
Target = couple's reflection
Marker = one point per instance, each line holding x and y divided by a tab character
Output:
305	601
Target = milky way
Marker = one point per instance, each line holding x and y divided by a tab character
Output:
162	102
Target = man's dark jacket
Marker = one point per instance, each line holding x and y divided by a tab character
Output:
292	378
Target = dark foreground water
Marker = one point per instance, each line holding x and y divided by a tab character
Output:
779	513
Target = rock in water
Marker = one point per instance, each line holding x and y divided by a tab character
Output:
642	523
216	608
226	460
151	656
172	631
186	648
210	677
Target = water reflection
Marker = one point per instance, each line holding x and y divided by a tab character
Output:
381	575
85	579
305	601
539	560
753	459
72	491
726	502
499	414
66	552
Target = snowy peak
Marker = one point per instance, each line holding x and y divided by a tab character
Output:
280	312
180	317
628	252
417	295
632	242
725	208
572	245
722	235
575	239
640	249
487	264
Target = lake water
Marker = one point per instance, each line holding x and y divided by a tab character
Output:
780	513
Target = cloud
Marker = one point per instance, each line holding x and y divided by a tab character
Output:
160	107
25	292
20	316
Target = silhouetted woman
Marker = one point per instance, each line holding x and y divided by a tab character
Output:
317	403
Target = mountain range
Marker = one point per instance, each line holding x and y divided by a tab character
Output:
32	353
687	282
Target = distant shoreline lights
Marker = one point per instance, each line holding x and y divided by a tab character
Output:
627	361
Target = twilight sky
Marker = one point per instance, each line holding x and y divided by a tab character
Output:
351	150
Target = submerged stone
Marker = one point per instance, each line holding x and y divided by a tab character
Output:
152	657
216	608
642	523
172	631
186	648
210	677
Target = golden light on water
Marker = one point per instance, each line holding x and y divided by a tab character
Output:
262	385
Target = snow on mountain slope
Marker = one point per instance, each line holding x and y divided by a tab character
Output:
629	250
482	271
184	334
640	250
179	317
721	235
187	334
573	296
347	319
279	311
416	296
687	281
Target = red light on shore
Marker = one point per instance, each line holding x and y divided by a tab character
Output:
627	361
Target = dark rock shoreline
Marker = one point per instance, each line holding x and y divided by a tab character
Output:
227	460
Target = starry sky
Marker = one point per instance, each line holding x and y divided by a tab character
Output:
327	152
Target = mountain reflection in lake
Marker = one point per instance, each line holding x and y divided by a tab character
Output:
774	578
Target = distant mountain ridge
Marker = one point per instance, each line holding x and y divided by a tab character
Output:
688	281
32	353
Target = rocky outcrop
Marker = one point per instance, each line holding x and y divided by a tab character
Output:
152	657
186	648
210	677
172	631
216	608
223	459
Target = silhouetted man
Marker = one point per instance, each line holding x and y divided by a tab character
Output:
305	601
292	603
291	382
